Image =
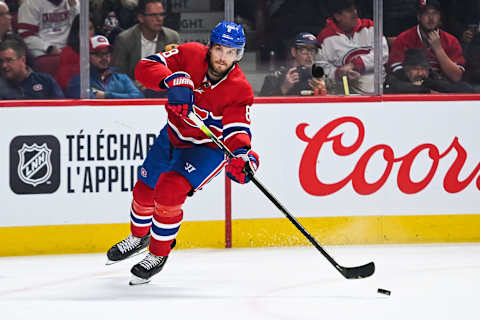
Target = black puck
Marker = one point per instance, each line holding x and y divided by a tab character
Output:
383	291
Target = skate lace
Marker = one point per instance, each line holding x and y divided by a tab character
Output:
128	244
151	261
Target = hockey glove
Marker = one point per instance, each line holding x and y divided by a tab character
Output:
244	160
179	87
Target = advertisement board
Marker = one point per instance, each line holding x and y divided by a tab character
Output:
357	159
354	170
78	164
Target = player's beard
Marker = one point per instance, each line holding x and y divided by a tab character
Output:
215	72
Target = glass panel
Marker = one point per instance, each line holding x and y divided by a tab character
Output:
33	34
282	45
432	47
271	54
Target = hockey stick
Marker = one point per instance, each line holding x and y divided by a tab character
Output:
348	272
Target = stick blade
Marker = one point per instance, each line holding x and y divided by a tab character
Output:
359	272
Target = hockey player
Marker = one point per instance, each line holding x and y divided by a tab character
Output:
206	81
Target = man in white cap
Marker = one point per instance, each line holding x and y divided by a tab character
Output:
105	83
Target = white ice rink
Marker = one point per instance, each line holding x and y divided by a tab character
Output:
427	282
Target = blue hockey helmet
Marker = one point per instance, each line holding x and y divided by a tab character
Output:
231	35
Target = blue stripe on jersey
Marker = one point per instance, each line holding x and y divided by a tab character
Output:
164	232
211	122
140	221
155	58
229	131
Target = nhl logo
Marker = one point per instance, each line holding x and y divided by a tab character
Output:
34	166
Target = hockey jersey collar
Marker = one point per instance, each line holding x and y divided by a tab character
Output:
207	80
332	29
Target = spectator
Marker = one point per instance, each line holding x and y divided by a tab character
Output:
45	24
147	37
443	49
18	81
472	31
123	11
111	27
5	20
70	56
105	83
296	78
6	31
413	77
346	47
461	19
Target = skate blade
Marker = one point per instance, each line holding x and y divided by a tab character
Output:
110	262
136	281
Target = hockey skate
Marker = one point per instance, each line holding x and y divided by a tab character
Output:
129	247
143	271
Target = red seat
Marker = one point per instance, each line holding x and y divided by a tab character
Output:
47	63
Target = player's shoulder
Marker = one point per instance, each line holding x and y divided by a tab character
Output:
238	79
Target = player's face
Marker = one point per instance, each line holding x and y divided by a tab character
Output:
101	59
416	73
13	67
221	59
304	55
429	20
153	16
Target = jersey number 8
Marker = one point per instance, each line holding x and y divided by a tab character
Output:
170	53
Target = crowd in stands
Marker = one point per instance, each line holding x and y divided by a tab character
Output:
429	46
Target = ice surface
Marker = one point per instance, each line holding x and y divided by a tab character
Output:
427	282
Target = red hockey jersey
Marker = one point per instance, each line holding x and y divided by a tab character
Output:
224	106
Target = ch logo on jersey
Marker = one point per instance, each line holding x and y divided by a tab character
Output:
189	167
38	168
212	122
34	164
354	53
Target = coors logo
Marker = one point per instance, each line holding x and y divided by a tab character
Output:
34	164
